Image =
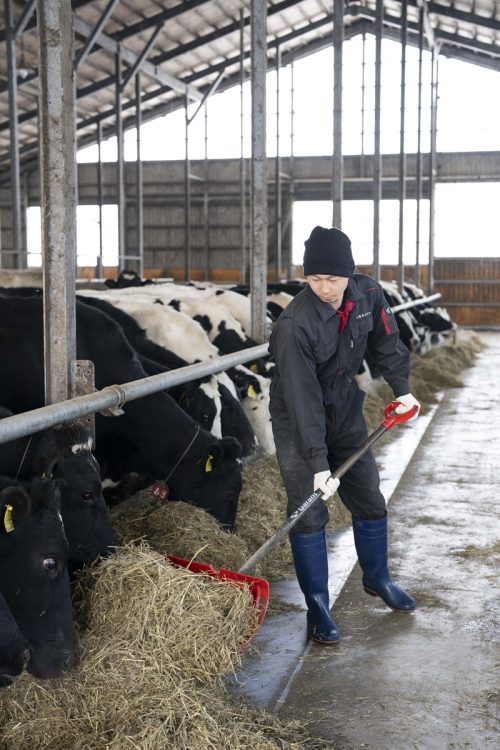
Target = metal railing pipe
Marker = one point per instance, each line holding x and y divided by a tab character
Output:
415	302
114	396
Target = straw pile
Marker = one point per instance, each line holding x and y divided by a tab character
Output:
154	642
177	528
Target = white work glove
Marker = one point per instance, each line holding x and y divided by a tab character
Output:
324	481
407	402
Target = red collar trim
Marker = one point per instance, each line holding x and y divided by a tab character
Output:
344	314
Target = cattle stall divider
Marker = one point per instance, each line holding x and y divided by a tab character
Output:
113	397
415	302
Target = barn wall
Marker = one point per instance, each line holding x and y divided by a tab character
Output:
164	198
471	288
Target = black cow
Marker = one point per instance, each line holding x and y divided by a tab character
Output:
153	437
34	577
14	648
64	452
292	287
125	279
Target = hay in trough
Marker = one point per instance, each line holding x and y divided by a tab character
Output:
155	645
177	528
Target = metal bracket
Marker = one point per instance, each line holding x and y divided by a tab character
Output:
115	411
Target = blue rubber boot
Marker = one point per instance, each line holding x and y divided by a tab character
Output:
311	566
370	538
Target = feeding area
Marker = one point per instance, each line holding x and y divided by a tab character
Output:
241	243
155	641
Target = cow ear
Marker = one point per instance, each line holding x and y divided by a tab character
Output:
213	457
232	447
45	464
15	506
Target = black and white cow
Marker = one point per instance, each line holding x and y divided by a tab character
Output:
64	452
199	398
412	333
210	401
178	331
254	391
206	307
153	436
34	579
435	318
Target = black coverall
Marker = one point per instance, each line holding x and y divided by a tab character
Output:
316	405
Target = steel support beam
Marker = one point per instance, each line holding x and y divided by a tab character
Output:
25	17
291	165
128	56
99	264
259	218
402	155
187	196
139	203
432	162
337	155
206	204
15	172
135	68
91	39
120	166
243	249
58	184
418	174
277	175
377	155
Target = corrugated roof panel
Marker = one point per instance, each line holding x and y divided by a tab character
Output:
197	38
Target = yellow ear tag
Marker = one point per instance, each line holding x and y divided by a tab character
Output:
208	465
7	519
254	367
251	391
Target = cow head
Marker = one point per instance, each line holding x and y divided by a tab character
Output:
202	401
235	423
65	453
210	478
14	649
34	577
254	392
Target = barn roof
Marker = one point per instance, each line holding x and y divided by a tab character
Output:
190	47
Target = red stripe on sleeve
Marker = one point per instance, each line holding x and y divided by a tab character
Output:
383	315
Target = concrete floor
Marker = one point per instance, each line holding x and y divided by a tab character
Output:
427	680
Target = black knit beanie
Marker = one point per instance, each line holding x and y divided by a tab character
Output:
328	251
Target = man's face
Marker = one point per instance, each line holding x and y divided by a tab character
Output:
328	288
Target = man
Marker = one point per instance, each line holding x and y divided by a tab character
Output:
318	344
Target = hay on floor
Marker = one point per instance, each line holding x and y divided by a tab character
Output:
177	528
155	644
